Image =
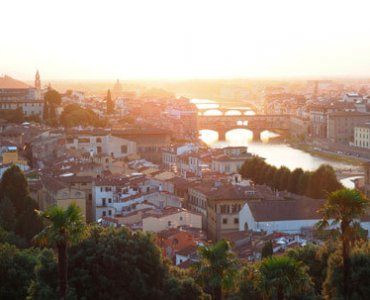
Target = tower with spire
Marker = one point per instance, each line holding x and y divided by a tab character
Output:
37	81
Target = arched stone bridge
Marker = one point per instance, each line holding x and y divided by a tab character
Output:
255	123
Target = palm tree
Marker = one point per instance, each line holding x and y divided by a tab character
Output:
344	207
217	268
282	276
65	227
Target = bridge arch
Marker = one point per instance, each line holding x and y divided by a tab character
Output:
233	112
212	112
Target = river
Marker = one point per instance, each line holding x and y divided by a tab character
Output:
276	153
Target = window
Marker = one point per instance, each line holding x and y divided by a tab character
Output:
104	213
169	223
110	200
224	221
103	201
180	218
236	220
109	212
123	148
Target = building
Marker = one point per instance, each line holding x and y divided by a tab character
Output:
287	215
99	142
103	192
149	141
219	204
362	136
55	192
341	126
84	184
352	97
231	160
15	94
171	217
367	179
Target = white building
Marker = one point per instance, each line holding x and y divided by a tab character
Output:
352	97
288	216
362	136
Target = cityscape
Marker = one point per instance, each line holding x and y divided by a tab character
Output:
147	168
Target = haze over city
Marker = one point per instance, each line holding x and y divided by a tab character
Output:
184	150
184	39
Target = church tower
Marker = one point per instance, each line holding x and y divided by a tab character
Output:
37	81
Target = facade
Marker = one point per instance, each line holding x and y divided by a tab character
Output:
149	142
367	179
362	136
171	217
341	126
15	94
219	203
288	216
55	192
100	142
103	192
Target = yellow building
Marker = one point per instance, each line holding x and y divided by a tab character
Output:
55	192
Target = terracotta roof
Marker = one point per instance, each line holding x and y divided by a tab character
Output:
8	82
281	210
187	250
186	264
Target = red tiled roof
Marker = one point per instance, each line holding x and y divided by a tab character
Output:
7	82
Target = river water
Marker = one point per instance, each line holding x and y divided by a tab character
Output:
276	153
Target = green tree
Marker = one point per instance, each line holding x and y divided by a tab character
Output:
45	284
323	181
283	277
16	271
65	227
217	269
359	284
120	264
14	186
52	99
293	180
344	207
7	214
315	259
109	103
267	250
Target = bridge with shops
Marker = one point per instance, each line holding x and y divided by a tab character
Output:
255	123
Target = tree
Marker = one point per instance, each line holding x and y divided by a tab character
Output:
267	250
344	207
16	271
65	227
359	284
14	186
52	99
120	264
293	180
45	283
110	103
323	181
216	270
316	261
7	214
74	114
283	277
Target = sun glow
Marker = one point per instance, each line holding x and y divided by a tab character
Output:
184	39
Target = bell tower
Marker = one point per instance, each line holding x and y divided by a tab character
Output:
37	81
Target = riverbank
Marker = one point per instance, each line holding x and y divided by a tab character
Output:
327	155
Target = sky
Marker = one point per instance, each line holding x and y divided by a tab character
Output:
160	39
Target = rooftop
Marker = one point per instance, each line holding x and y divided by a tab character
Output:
7	82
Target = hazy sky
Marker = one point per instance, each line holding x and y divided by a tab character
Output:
107	39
